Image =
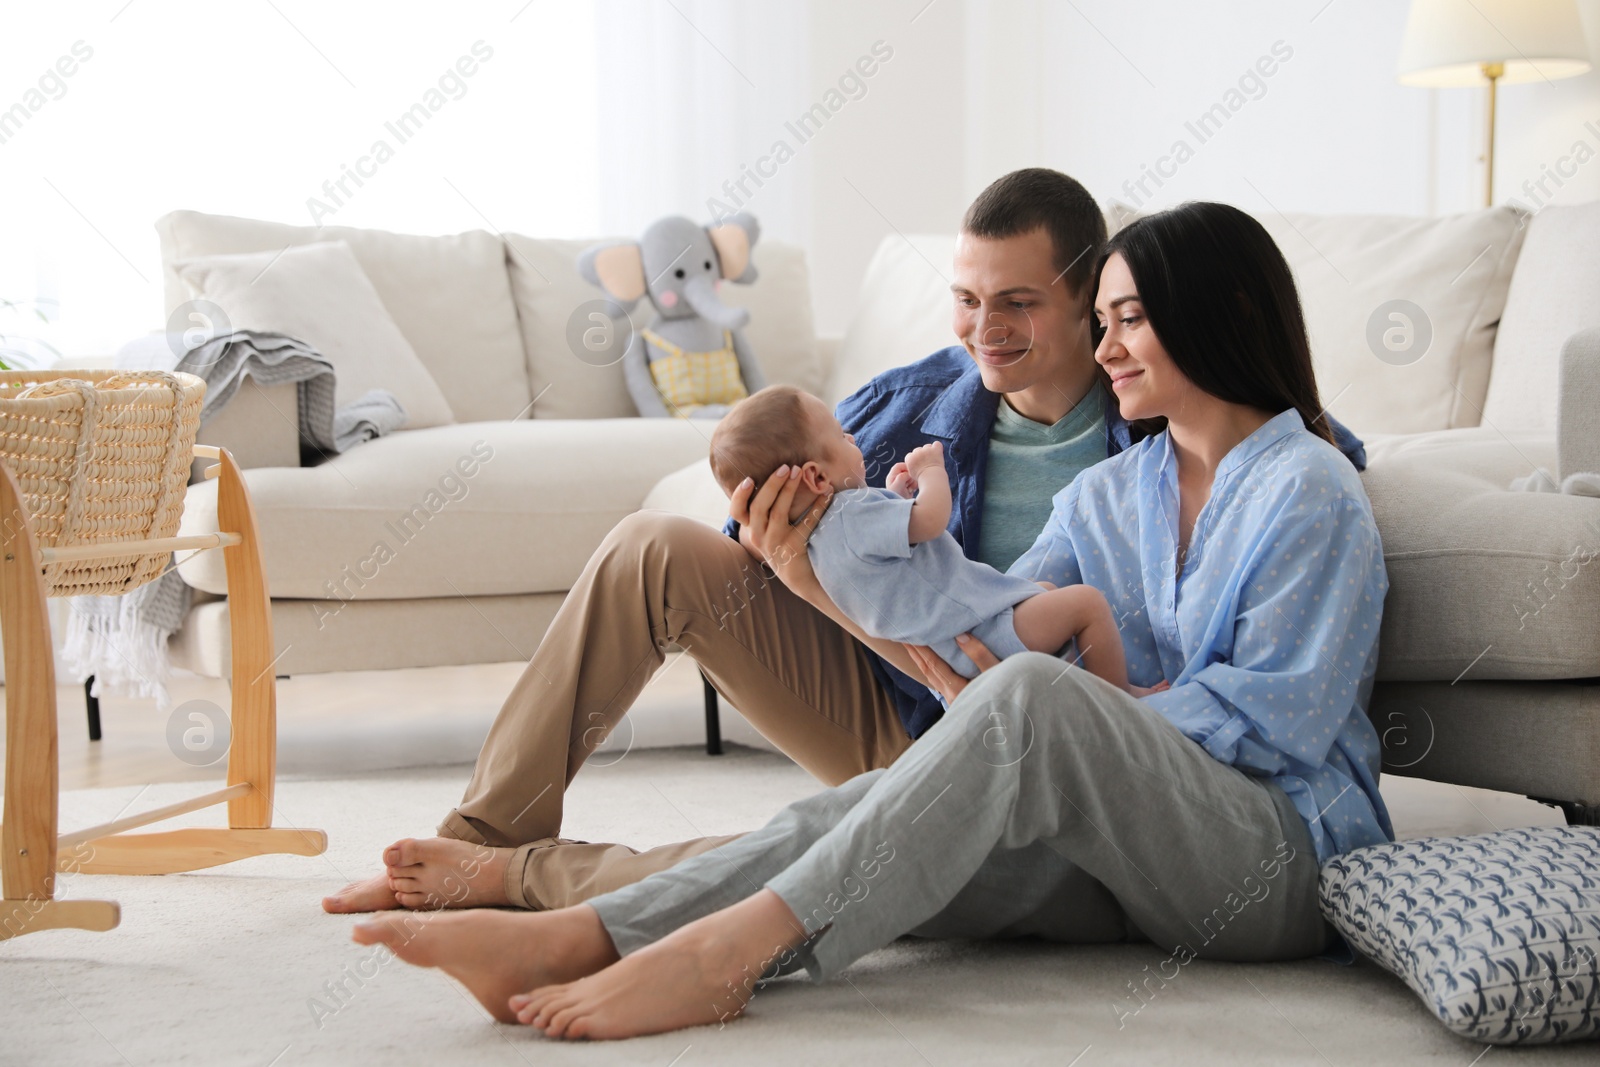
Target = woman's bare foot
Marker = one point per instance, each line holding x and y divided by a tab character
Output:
429	873
702	973
371	894
497	953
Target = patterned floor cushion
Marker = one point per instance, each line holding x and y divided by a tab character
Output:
1499	933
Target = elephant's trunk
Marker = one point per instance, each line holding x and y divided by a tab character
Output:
702	296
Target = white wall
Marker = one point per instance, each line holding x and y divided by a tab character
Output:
693	97
894	159
1103	88
1330	131
1541	125
696	94
596	119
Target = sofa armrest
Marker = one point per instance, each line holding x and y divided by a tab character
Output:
1578	414
260	425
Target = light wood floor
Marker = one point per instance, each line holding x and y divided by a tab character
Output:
335	724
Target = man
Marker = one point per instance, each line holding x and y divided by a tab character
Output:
1020	409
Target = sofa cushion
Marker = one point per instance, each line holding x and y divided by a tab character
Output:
692	492
1504	583
902	314
468	509
1499	934
1555	292
549	294
319	294
449	295
553	300
1457	269
1351	270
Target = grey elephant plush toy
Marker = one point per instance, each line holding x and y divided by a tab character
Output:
692	360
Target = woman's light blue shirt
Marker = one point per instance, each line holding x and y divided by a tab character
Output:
1269	637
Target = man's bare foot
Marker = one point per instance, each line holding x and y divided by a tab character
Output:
429	874
497	953
702	973
442	872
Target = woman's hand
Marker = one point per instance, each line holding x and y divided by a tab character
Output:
763	517
941	679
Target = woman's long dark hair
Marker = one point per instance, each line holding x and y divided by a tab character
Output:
1218	293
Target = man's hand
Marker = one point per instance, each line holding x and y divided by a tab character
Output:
924	458
900	482
765	530
939	675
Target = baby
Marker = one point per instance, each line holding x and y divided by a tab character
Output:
884	555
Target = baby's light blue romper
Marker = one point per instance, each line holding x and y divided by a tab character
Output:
920	594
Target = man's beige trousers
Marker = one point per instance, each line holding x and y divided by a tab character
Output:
659	581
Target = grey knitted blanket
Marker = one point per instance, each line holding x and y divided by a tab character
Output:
122	640
224	362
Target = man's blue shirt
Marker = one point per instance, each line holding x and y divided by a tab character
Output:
942	398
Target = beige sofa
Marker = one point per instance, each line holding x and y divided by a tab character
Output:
1491	626
370	571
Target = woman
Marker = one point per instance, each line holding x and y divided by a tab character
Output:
1240	553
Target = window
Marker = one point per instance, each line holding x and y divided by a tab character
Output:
113	114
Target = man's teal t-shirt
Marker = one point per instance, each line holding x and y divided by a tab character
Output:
1029	463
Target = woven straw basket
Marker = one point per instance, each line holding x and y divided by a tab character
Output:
100	457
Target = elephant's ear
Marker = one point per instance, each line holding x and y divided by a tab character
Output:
617	268
732	240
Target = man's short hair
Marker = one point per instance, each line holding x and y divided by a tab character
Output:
761	433
1026	200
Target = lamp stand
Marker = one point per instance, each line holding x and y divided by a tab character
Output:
1493	72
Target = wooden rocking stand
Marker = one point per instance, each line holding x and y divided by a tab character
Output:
31	853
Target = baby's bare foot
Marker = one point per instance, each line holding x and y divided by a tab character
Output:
703	973
497	953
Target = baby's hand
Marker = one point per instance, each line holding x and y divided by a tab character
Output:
924	458
900	482
1141	691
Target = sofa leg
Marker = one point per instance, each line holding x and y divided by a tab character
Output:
92	703
1578	812
713	719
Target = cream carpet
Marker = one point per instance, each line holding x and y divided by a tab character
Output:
238	965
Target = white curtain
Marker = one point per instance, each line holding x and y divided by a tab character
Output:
251	109
693	97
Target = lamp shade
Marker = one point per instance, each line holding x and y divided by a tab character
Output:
1448	41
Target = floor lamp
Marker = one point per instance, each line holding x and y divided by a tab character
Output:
1453	43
